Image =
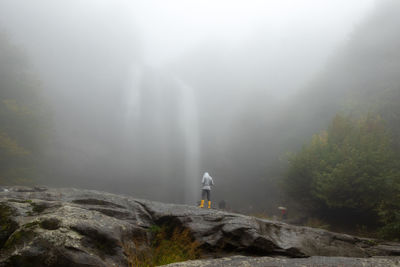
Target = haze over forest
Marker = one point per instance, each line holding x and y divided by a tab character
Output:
143	97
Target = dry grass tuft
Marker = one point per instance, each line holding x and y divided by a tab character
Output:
168	246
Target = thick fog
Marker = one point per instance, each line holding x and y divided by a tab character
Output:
147	95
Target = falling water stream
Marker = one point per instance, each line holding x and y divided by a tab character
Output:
162	135
189	121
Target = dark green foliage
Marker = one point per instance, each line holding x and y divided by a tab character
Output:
389	211
392	229
23	122
351	170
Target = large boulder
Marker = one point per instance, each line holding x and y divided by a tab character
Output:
75	227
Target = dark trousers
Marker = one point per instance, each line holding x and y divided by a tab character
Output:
205	192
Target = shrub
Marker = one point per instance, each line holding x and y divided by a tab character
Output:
168	245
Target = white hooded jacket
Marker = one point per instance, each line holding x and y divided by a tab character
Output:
207	181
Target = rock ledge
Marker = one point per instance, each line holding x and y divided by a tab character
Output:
74	227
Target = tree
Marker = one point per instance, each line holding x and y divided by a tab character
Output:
23	122
351	168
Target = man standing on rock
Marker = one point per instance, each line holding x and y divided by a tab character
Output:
206	182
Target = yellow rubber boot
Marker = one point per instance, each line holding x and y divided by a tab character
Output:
209	204
202	203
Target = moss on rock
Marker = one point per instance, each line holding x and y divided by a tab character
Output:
31	224
7	224
20	200
19	237
38	207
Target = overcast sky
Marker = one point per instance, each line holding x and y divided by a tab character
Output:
172	27
168	28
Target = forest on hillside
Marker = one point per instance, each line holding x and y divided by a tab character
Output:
349	173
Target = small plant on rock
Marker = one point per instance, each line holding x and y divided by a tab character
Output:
167	246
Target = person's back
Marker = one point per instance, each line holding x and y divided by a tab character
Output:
206	182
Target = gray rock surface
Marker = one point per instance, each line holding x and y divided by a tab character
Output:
315	261
74	227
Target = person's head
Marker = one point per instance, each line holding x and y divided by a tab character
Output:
206	174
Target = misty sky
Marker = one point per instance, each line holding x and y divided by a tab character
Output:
168	29
57	34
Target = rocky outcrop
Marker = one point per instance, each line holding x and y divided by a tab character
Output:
240	261
74	227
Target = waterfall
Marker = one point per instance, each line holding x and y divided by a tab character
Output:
133	96
189	121
161	136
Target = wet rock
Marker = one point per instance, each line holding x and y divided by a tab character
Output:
50	223
74	227
97	202
240	261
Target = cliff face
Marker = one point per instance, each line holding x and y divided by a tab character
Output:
74	227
